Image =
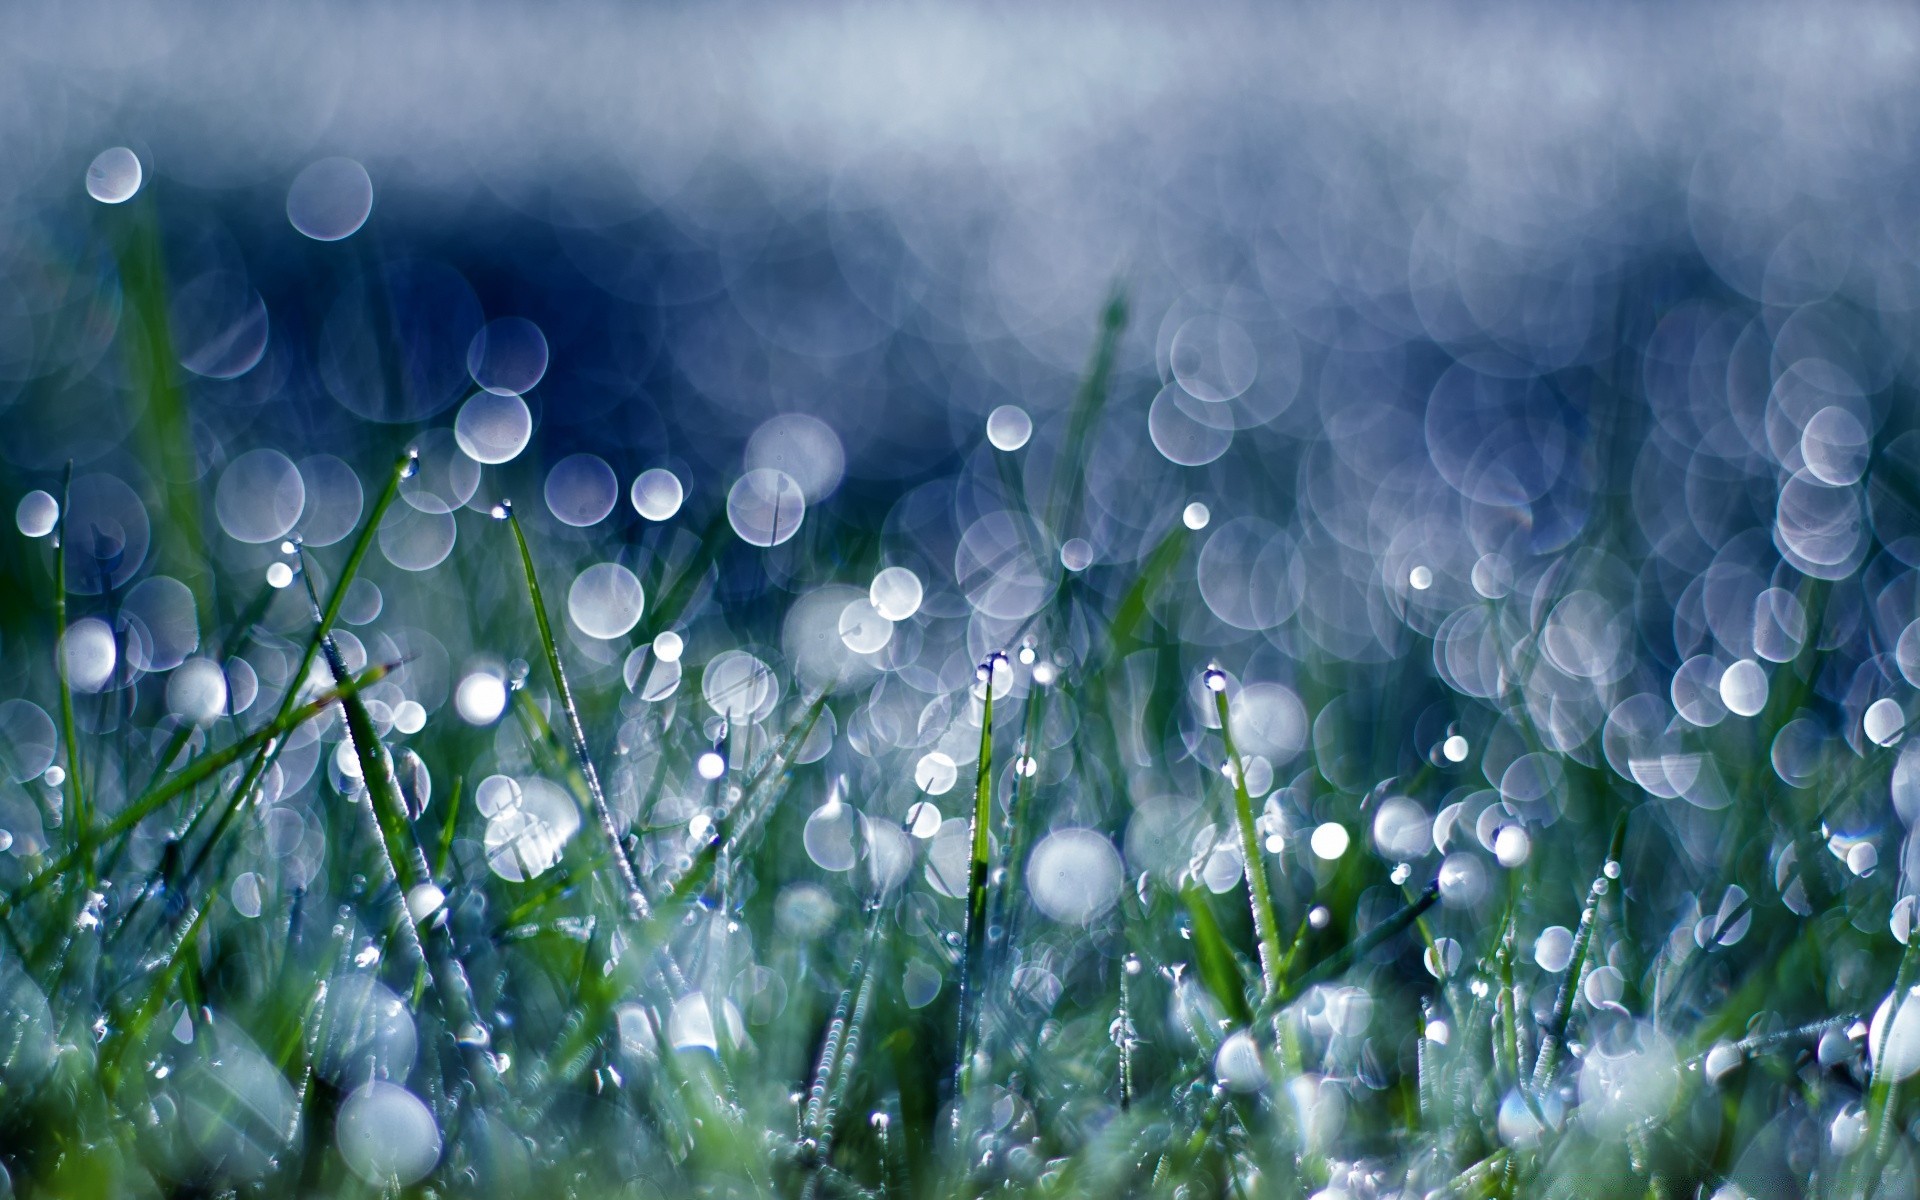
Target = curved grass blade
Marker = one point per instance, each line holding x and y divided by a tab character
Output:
974	934
636	898
1266	927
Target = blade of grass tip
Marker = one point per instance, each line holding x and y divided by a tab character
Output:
77	814
1064	504
974	931
1266	927
195	773
636	899
1553	1034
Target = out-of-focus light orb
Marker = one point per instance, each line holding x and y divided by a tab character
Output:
197	691
1009	427
803	448
606	601
863	629
1836	447
1884	721
259	497
480	698
279	575
409	717
1237	1063
1196	515
1893	1040
330	199
657	494
1330	840
27	733
1492	576
1512	846
1553	949
1074	875
496	794
1743	688
668	646
493	428
581	490
1076	554
935	773
1631	1078
765	507
711	765
386	1135
88	655
896	593
1454	749
114	175
1420	578
508	357
923	819
36	514
1213	358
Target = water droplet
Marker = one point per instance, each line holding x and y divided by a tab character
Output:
1216	679
711	764
1196	515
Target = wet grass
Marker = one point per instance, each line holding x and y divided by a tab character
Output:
690	1002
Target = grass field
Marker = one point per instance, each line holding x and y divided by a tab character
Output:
1421	721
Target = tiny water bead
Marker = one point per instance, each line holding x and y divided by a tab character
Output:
657	494
1076	554
114	175
1215	679
1196	515
493	427
330	199
1009	427
36	514
1420	578
279	575
711	764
